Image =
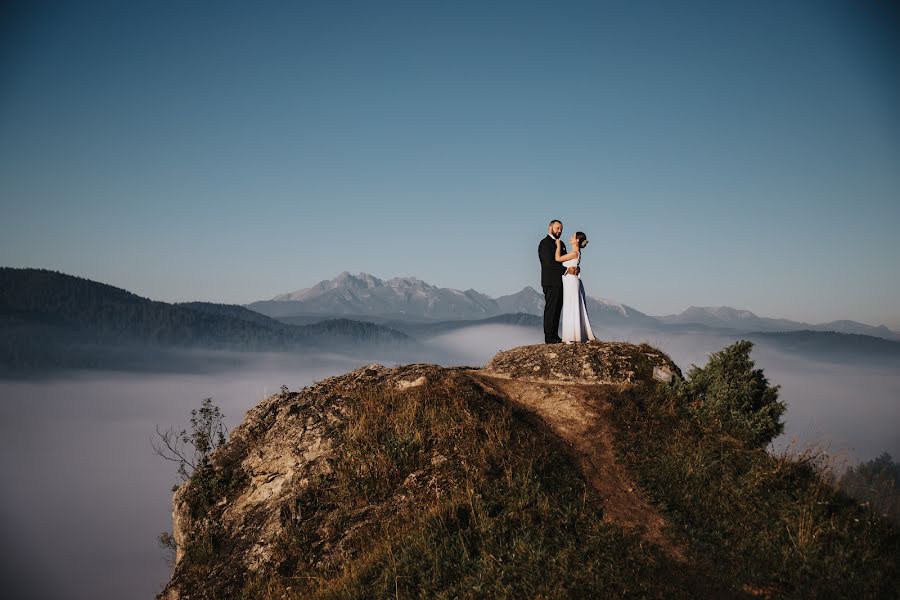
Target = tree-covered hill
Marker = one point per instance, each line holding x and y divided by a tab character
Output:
51	319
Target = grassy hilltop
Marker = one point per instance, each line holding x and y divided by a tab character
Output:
562	471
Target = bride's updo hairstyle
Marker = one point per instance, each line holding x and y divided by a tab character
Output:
582	239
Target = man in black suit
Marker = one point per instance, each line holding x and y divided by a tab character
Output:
551	280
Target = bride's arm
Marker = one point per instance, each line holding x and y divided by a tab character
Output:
564	257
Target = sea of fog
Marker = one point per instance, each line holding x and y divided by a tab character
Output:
84	496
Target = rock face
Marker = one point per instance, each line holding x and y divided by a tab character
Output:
283	444
270	506
588	363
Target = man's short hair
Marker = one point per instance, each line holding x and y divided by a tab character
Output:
555	221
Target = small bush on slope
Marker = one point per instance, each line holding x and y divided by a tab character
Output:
770	523
876	482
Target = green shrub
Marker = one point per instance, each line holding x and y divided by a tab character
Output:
874	482
774	526
729	393
191	450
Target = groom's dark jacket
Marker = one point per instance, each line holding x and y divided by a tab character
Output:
551	271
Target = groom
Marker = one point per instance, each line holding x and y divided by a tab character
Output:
551	280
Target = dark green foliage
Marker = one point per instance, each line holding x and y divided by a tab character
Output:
104	313
204	482
771	524
191	450
729	393
875	482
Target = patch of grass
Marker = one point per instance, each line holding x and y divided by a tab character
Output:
510	517
768	522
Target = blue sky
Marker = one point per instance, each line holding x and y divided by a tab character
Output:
737	153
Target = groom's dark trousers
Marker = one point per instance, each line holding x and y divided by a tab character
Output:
551	281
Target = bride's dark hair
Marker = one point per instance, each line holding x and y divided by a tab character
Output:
582	239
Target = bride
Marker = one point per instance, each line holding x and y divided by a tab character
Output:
576	327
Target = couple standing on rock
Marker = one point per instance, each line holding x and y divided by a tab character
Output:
563	290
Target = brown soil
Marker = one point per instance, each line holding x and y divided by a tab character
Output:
579	415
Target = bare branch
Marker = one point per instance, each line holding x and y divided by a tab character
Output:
170	449
191	450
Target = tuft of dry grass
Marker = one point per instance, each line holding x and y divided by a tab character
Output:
459	498
768	522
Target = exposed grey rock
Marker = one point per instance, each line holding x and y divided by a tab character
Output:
589	363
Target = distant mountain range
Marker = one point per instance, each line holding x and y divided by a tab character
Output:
830	345
724	317
53	320
408	299
411	299
50	319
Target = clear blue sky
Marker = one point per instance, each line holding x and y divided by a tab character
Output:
739	153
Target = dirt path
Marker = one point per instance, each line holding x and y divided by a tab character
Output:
579	415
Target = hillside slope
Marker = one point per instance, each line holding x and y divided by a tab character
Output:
555	471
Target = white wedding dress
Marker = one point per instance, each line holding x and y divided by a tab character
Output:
576	327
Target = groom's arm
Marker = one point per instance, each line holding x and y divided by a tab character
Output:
547	255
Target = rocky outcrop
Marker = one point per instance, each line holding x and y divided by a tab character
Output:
271	508
589	363
283	445
554	471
